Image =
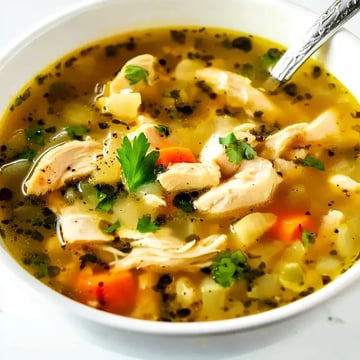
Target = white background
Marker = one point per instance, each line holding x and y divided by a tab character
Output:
29	332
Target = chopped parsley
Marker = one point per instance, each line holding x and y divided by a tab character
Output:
163	130
76	131
237	150
105	195
184	201
35	135
307	237
41	262
111	229
26	153
135	73
310	161
146	225
229	267
138	166
271	57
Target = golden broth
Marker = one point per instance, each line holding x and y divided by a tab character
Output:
63	104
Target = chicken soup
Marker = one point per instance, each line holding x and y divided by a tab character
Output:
149	175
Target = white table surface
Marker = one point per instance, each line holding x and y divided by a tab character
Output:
29	332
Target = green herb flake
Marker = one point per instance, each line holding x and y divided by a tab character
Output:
163	130
310	161
76	131
138	166
145	224
307	237
271	57
229	267
26	153
237	150
111	229
105	195
135	73
35	135
184	201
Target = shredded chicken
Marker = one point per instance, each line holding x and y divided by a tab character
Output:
251	186
61	164
190	176
148	63
214	152
161	254
238	90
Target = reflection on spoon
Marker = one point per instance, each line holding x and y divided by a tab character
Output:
326	25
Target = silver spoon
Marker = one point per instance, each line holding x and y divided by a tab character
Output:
326	25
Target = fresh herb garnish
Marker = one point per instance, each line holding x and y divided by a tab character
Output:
163	130
137	165
41	261
271	57
307	237
184	201
310	161
76	131
105	195
135	73
237	150
229	267
111	229
35	135
146	225
26	153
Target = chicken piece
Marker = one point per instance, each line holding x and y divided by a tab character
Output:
251	186
190	176
213	151
344	183
238	90
288	169
61	164
278	144
148	63
155	253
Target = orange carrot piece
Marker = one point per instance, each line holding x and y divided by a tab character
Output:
288	227
113	291
175	154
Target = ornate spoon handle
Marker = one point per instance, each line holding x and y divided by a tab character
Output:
324	27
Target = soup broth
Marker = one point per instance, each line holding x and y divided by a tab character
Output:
150	176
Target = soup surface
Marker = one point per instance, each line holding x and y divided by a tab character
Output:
147	175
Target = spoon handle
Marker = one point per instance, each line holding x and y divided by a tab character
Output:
323	28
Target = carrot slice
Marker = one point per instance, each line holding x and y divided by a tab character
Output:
175	154
113	291
288	227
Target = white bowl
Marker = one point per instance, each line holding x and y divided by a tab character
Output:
273	19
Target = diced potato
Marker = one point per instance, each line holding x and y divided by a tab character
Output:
344	183
213	298
186	292
250	228
186	69
345	243
328	265
292	277
265	287
77	114
124	105
294	252
265	252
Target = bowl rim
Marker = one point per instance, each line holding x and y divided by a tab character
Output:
249	322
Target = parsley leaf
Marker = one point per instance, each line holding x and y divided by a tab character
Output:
146	225
35	135
26	153
76	131
138	166
237	150
163	130
229	267
111	229
272	56
310	161
307	237
105	195
135	73
184	201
